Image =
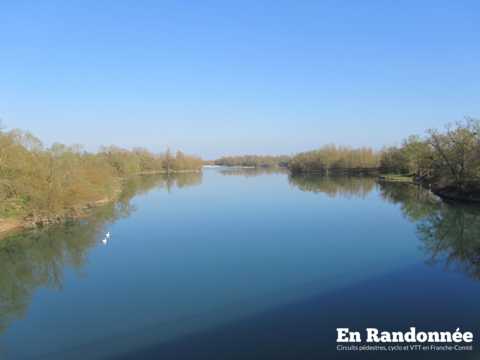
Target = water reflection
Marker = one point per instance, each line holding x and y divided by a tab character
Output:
451	235
252	172
449	232
416	202
182	180
35	259
334	186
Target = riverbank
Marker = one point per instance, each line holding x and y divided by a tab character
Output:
448	193
10	225
165	172
358	171
451	193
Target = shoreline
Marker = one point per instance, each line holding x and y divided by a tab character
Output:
451	194
447	194
9	226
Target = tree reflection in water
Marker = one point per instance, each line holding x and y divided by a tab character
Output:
334	186
182	180
34	259
450	232
252	171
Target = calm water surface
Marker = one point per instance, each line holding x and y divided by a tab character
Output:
241	264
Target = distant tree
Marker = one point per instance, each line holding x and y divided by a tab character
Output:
332	158
168	160
254	161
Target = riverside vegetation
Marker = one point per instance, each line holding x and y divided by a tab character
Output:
41	184
334	159
446	161
256	161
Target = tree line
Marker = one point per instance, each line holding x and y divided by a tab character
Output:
40	182
254	161
448	161
332	158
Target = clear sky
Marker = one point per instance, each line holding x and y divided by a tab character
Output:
232	77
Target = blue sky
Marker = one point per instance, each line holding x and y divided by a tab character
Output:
231	77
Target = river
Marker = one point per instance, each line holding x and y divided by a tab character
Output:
240	264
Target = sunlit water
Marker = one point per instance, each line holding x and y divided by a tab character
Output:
240	264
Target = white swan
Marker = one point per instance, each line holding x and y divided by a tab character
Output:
104	241
107	235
